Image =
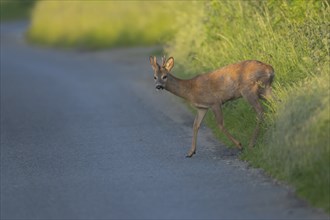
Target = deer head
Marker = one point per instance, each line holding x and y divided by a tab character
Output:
161	72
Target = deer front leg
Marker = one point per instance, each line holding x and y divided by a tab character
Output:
218	115
198	120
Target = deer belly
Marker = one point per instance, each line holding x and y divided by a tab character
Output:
206	101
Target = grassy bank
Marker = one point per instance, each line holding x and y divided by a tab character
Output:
15	9
295	148
292	36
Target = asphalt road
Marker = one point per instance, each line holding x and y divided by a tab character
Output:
84	135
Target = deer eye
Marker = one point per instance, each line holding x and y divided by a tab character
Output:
164	77
155	77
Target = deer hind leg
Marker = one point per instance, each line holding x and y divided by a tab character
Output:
218	116
266	93
198	120
253	100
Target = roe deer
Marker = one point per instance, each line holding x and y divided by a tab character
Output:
250	79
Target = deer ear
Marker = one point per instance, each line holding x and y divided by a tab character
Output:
153	62
169	64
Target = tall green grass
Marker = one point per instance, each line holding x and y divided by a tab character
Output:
100	24
296	147
292	36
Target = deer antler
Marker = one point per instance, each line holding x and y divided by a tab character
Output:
163	60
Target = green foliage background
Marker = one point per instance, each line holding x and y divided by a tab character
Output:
15	9
100	24
292	36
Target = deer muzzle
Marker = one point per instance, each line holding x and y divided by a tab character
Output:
159	87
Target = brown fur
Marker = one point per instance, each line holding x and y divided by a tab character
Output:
250	79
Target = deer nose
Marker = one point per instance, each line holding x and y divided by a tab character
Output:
159	87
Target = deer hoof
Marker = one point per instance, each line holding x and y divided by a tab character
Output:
190	154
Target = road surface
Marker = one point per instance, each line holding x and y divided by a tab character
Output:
84	135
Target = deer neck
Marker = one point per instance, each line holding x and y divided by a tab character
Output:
178	87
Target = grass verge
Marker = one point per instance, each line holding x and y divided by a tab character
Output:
296	146
292	36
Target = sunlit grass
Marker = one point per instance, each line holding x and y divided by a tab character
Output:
99	24
292	36
296	147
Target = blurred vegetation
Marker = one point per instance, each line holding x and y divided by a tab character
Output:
15	9
100	24
293	36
